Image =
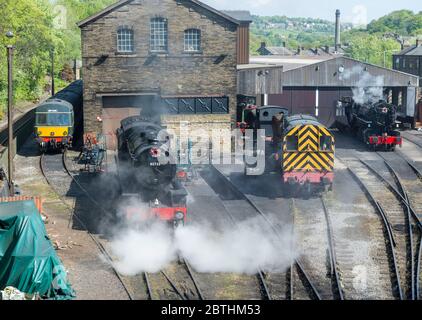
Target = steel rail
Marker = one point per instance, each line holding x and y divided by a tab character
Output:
148	285
333	256
195	282
174	286
415	277
260	273
145	274
418	173
98	244
380	210
271	225
411	165
396	192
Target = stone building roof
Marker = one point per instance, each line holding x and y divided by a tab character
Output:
240	15
121	3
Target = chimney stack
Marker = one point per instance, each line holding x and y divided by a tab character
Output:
284	44
263	44
418	42
338	30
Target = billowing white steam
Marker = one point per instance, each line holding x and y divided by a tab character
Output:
369	88
246	248
138	251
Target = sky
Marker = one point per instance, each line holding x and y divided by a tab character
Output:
355	11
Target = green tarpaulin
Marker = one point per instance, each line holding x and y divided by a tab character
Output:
28	260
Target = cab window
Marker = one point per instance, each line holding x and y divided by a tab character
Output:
292	143
325	143
54	119
41	119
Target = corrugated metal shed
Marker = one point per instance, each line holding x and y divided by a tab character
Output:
255	79
332	73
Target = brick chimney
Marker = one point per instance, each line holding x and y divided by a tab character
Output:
338	30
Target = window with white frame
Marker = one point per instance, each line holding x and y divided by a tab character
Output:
192	40
125	42
159	34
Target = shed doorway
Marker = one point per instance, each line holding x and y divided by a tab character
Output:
117	108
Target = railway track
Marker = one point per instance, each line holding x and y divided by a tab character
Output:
181	280
409	190
56	171
314	237
397	223
53	168
298	271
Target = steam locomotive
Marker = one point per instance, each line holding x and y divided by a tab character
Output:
374	123
147	172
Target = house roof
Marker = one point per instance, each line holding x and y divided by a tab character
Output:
121	3
411	51
281	51
240	15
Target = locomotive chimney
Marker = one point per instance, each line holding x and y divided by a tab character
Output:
337	35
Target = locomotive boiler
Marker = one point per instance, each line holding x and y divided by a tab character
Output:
147	171
374	123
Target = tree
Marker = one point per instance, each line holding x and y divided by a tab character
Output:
403	22
372	49
30	21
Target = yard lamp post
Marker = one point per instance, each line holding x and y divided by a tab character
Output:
10	49
52	72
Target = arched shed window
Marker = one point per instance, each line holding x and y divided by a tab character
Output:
159	34
192	40
125	41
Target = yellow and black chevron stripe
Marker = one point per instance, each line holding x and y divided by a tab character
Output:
308	156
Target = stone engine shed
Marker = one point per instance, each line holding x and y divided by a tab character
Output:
174	57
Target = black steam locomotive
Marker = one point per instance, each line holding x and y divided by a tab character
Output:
374	123
147	172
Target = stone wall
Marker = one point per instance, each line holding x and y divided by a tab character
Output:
175	73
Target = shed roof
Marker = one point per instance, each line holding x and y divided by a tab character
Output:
288	62
121	3
326	73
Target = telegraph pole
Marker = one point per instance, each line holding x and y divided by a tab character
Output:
10	113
